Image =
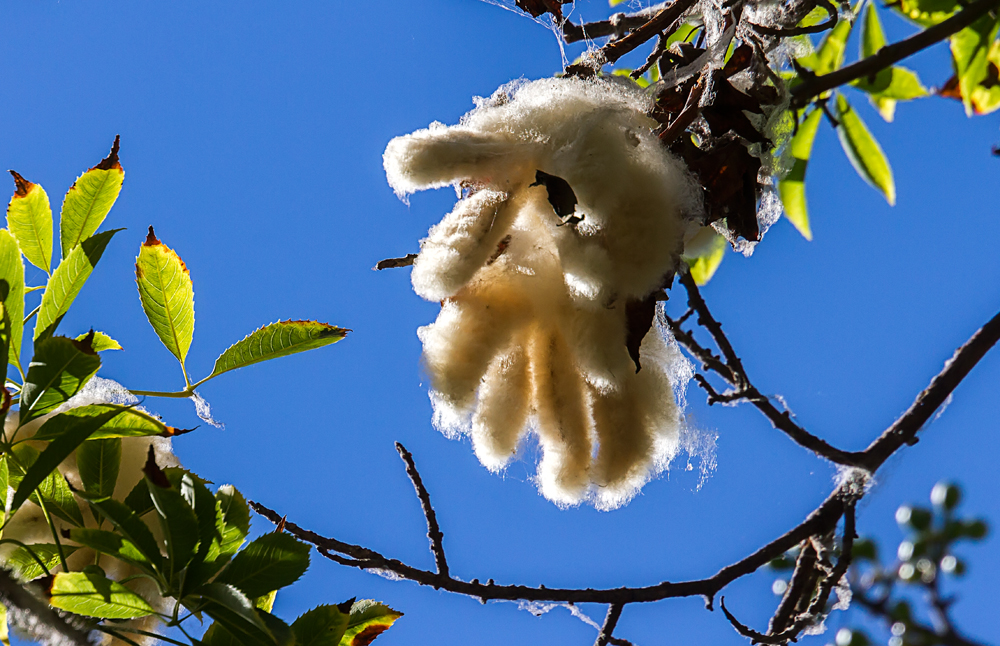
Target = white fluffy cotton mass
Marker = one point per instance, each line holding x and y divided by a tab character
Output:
533	287
29	526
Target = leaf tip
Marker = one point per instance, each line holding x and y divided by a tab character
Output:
153	470
151	239
111	161
22	185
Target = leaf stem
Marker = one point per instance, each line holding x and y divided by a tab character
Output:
180	394
31	314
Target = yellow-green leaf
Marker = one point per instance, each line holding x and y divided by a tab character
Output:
276	340
829	56
101	341
67	281
367	621
131	422
792	188
642	81
704	266
167	295
12	291
88	201
971	51
29	218
92	595
864	152
926	13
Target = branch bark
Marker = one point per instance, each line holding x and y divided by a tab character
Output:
36	617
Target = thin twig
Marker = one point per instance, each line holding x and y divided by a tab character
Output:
618	48
610	621
801	94
434	533
785	32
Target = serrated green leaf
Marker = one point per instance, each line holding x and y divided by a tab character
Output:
26	567
704	266
114	545
276	340
92	595
864	152
99	462
792	188
167	295
29	218
368	620
179	524
12	291
234	611
101	342
131	527
53	490
970	51
60	369
926	13
67	281
131	422
266	602
234	518
88	201
268	563
53	455
321	626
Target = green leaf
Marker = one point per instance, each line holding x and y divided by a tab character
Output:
276	340
704	267
4	483
217	635
88	201
234	611
268	563
977	74
235	518
368	620
12	291
29	218
889	85
829	56
872	36
179	524
54	490
926	13
864	152
131	422
4	346
131	527
99	462
26	567
792	188
92	595
321	626
53	455
67	281
114	545
59	369
642	81
167	295
101	341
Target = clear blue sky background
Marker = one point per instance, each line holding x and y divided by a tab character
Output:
252	138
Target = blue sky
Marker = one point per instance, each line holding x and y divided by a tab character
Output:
252	136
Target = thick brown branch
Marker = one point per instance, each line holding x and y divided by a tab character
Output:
890	54
610	621
434	533
37	618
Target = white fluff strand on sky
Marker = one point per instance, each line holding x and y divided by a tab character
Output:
569	209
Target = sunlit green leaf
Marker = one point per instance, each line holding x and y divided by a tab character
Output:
29	218
88	201
92	595
99	462
12	291
101	341
268	563
368	620
4	483
864	152
705	265
27	568
972	50
829	56
132	422
277	340
926	13
67	281
167	295
59	369
792	188
321	626
642	81
234	519
114	545
53	490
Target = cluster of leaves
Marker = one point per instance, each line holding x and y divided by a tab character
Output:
887	591
169	529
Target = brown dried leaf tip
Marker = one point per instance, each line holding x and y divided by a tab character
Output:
86	344
23	185
111	161
151	239
153	470
281	525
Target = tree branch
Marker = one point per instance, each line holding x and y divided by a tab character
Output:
610	621
802	94
36	617
434	533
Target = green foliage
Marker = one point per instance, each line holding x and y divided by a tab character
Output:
864	152
976	57
194	555
792	187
